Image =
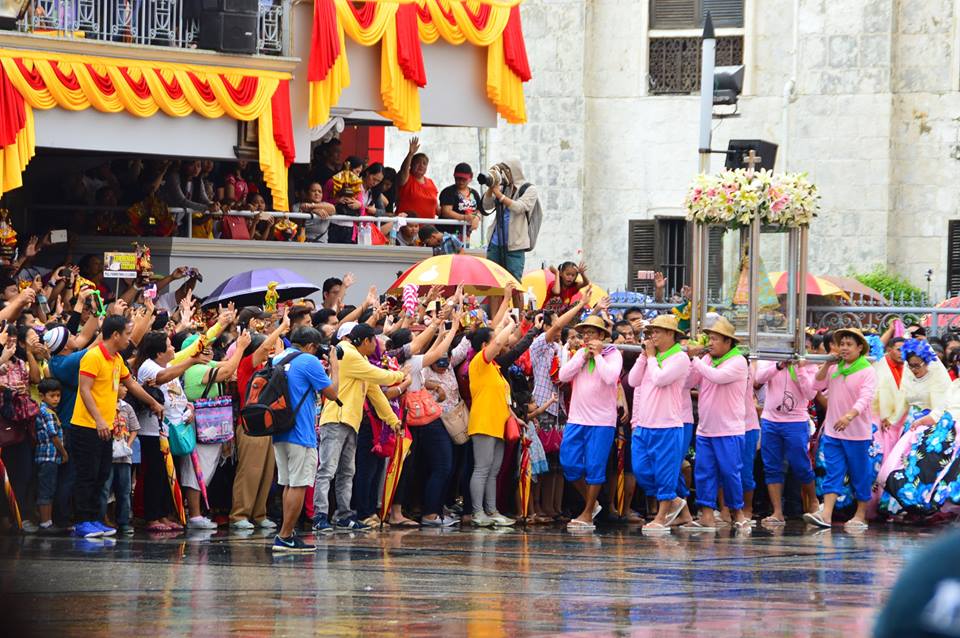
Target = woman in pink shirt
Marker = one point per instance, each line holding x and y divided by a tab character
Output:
848	428
594	375
786	432
659	377
722	379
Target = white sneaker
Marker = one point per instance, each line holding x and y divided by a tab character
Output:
499	520
446	521
29	527
267	524
201	522
482	520
243	524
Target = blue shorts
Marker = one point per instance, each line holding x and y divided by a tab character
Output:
657	457
584	452
719	459
682	490
47	482
750	440
785	443
843	457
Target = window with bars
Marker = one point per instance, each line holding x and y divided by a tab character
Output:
953	258
674	60
664	245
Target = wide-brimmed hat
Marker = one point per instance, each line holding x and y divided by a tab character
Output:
724	328
856	334
666	322
593	321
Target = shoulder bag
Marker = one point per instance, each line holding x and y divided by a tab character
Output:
456	421
214	417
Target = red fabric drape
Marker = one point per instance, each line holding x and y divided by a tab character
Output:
13	115
243	93
31	76
514	50
68	81
409	53
103	82
206	93
141	88
325	44
282	122
479	19
364	14
173	88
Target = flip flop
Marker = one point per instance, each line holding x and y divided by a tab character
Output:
672	516
580	526
770	521
853	525
655	528
816	520
741	525
158	527
696	526
408	524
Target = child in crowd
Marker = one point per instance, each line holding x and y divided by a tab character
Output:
568	280
535	512
125	428
442	243
49	453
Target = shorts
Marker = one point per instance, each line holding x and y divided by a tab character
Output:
847	458
47	482
584	452
296	464
514	259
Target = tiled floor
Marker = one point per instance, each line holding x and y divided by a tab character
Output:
452	583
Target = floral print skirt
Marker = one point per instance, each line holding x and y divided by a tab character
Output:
929	474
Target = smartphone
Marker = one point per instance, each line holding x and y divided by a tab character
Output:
515	313
383	299
150	292
448	325
644	274
58	236
436	307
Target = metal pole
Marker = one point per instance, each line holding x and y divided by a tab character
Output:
700	244
753	313
801	345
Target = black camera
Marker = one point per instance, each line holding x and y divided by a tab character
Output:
485	180
326	348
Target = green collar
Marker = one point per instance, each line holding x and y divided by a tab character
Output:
734	352
847	370
663	356
793	373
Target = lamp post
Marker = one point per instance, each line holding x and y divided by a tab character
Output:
707	66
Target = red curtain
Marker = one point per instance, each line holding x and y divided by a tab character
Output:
409	53
325	43
13	116
514	50
282	122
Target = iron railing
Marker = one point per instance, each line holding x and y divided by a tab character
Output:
141	22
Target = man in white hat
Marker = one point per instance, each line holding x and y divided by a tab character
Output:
722	377
659	378
594	374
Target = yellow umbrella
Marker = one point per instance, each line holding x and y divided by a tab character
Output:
815	285
479	276
539	281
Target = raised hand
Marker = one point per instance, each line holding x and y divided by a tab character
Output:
414	147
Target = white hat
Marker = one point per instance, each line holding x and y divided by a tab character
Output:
345	329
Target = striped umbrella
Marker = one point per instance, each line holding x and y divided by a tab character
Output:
479	276
815	285
195	459
620	498
172	479
11	497
526	477
394	468
539	281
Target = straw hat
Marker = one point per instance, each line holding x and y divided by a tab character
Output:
593	321
856	334
724	328
666	322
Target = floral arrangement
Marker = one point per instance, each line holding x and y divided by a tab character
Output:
733	197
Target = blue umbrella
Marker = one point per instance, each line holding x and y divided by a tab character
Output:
248	288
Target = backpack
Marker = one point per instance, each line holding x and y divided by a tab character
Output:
267	410
534	218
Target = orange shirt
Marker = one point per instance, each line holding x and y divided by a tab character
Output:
107	372
419	199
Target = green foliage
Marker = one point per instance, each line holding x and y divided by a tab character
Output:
894	287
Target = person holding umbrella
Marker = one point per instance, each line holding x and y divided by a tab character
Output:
594	374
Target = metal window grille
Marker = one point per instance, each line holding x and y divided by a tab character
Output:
675	62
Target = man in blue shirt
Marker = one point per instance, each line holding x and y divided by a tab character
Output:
442	243
296	449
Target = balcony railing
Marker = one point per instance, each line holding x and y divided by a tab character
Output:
144	22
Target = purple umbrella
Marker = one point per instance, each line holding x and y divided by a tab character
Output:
248	288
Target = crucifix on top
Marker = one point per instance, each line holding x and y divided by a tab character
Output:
751	159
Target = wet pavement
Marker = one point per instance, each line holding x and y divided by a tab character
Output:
543	582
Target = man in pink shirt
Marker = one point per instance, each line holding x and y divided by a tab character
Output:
786	432
659	377
594	373
848	427
722	379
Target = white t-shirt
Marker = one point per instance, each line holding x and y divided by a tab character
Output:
415	364
167	301
174	400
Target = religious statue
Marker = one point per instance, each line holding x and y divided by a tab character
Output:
271	297
144	262
8	236
285	230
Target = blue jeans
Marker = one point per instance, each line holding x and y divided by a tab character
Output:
119	482
366	481
434	453
719	459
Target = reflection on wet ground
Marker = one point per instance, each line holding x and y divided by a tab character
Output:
456	583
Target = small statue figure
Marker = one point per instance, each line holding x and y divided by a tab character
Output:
271	297
144	262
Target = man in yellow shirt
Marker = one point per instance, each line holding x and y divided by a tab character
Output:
340	421
102	370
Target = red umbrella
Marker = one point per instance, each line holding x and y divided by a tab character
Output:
479	276
394	468
195	458
11	497
944	322
526	477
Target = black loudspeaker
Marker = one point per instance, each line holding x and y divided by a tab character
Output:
736	149
234	6
229	32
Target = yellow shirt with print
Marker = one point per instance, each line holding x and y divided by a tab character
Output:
490	395
107	372
360	380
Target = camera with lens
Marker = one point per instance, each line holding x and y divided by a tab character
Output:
492	178
326	348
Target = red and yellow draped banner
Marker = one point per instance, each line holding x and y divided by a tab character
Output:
400	26
36	80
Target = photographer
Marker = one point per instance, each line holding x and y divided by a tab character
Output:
517	206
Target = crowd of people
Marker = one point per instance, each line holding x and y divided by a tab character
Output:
144	411
133	197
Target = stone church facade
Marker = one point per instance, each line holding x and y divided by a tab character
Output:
863	95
